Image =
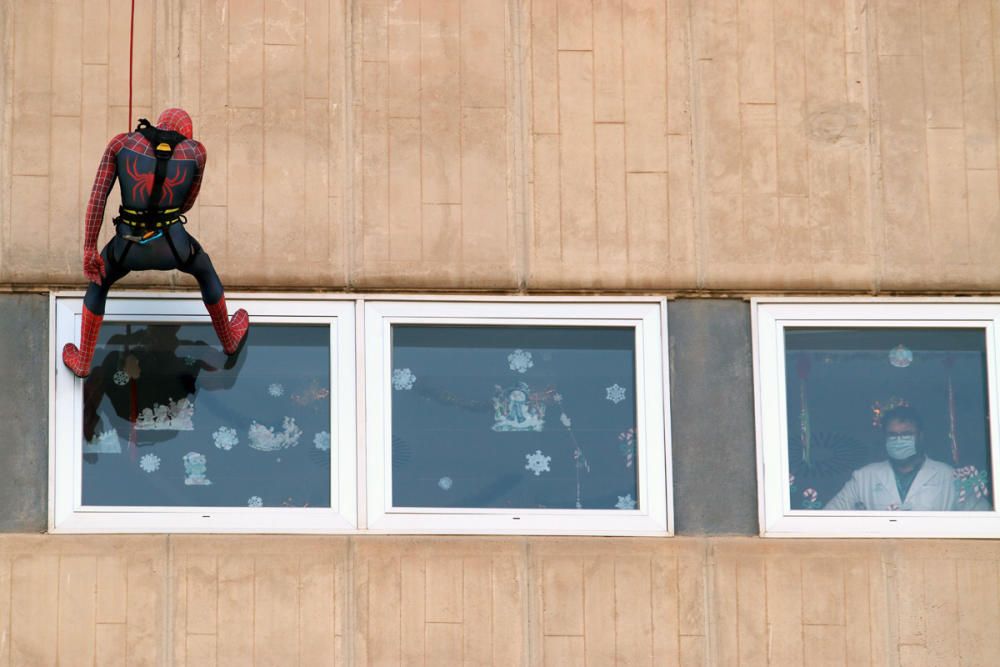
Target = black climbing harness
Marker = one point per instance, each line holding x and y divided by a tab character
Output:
150	223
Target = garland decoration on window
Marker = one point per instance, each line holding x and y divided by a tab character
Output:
805	433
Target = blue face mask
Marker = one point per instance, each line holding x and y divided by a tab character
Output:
901	447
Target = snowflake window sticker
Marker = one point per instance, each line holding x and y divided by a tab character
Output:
150	462
322	441
255	501
537	462
520	361
615	393
403	379
120	378
226	438
276	389
445	483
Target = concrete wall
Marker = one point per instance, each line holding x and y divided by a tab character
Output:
24	413
639	144
712	417
203	601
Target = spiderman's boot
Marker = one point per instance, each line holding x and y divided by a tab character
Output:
77	359
231	332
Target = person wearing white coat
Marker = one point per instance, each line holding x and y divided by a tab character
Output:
907	480
874	487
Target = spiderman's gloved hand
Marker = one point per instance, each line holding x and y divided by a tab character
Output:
93	265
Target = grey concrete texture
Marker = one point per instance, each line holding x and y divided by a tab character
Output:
24	400
712	415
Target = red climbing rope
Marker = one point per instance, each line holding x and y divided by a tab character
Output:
131	33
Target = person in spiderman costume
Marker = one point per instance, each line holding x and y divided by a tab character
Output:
159	169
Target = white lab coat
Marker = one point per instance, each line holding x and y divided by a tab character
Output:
873	487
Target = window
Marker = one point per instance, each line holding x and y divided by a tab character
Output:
874	417
169	434
526	417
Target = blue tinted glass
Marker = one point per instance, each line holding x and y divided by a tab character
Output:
885	419
169	420
513	417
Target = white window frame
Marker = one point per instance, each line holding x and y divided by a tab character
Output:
66	513
770	318
648	316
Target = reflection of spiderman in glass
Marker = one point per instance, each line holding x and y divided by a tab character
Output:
159	170
154	372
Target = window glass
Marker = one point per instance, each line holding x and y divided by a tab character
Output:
514	417
887	419
168	420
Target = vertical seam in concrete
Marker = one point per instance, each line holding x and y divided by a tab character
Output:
349	605
47	222
520	143
527	605
493	606
5	629
58	556
624	123
175	23
253	604
168	605
167	36
298	609
93	601
162	35
877	221
399	612
697	154
740	152
708	560
996	111
51	96
890	565
928	222
461	146
6	82
965	161
652	610
887	558
348	164
593	139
